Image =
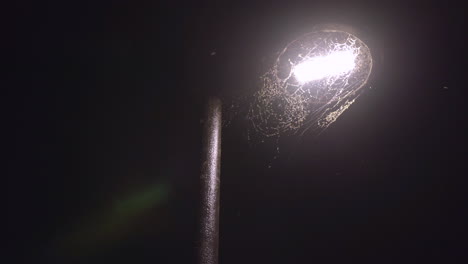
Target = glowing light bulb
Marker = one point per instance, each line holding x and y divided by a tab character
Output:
334	64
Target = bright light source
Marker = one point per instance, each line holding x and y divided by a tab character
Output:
314	79
334	64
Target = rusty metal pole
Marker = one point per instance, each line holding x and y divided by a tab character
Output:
210	181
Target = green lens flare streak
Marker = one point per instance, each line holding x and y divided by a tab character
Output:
142	201
115	223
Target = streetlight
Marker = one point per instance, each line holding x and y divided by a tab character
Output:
315	78
312	82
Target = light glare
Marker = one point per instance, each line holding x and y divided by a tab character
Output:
336	63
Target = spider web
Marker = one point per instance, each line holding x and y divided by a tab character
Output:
283	105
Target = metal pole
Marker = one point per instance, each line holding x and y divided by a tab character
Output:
209	178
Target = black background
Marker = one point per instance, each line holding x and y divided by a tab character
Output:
108	97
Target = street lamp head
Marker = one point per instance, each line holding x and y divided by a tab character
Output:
329	57
315	78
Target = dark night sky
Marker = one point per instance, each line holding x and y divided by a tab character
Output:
107	104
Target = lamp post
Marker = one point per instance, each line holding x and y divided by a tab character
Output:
209	179
323	70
